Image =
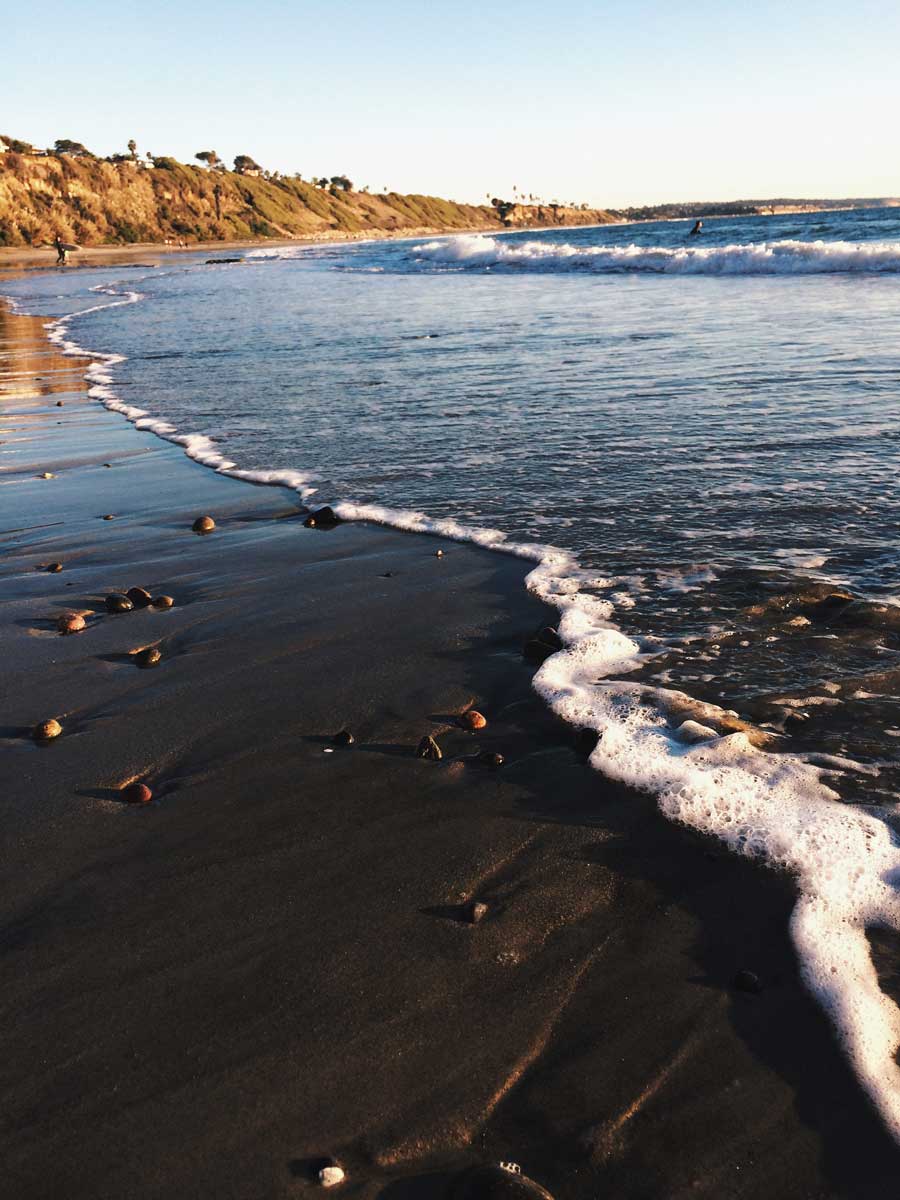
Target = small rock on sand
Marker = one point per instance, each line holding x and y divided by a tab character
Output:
59	404
438	554
163	602
472	720
475	911
117	603
344	738
323	517
331	1175
203	525
747	981
109	516
139	597
47	475
491	759
148	658
137	793
428	748
497	1181
586	741
70	623
47	730
54	568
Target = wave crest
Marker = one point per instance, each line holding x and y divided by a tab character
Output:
751	258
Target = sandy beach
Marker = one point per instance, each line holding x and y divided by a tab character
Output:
269	964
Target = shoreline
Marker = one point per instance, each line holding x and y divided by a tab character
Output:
186	966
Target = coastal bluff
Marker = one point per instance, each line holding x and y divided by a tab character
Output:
94	202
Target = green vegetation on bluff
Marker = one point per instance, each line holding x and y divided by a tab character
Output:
124	199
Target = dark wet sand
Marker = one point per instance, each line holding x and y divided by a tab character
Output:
266	964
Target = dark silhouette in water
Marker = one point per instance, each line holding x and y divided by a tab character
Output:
696	229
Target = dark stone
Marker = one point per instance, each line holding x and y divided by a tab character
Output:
59	404
203	525
496	1182
148	658
117	603
324	518
746	981
428	748
70	623
139	597
109	516
344	738
544	643
54	568
137	793
474	912
586	741
491	759
163	602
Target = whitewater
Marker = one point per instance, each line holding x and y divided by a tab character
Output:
621	619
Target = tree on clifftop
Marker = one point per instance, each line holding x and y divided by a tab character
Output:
244	163
66	146
207	156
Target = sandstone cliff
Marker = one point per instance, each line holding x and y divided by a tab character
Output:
94	202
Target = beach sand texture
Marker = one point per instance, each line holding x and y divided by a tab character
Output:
269	963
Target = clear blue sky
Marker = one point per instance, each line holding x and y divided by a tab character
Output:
611	103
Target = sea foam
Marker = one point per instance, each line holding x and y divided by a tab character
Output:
753	258
776	808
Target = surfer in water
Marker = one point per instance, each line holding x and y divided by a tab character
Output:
696	229
62	254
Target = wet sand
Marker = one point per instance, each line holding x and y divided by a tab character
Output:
266	965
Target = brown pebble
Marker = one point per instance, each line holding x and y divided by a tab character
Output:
163	602
203	525
109	516
475	911
54	568
59	404
148	658
344	738
428	748
139	597
117	603
472	719
137	793
47	475
107	464
70	623
47	730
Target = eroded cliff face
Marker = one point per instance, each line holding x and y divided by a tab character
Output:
93	202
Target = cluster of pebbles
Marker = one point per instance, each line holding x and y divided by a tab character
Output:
495	1181
117	603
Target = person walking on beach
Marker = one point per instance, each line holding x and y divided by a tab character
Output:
62	254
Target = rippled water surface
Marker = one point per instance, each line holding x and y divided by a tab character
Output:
713	431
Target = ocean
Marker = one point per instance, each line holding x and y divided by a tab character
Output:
691	442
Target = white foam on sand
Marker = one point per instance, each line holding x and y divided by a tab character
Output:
776	808
753	258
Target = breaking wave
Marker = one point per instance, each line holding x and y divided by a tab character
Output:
473	252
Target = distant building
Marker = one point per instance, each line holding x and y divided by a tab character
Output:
250	171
